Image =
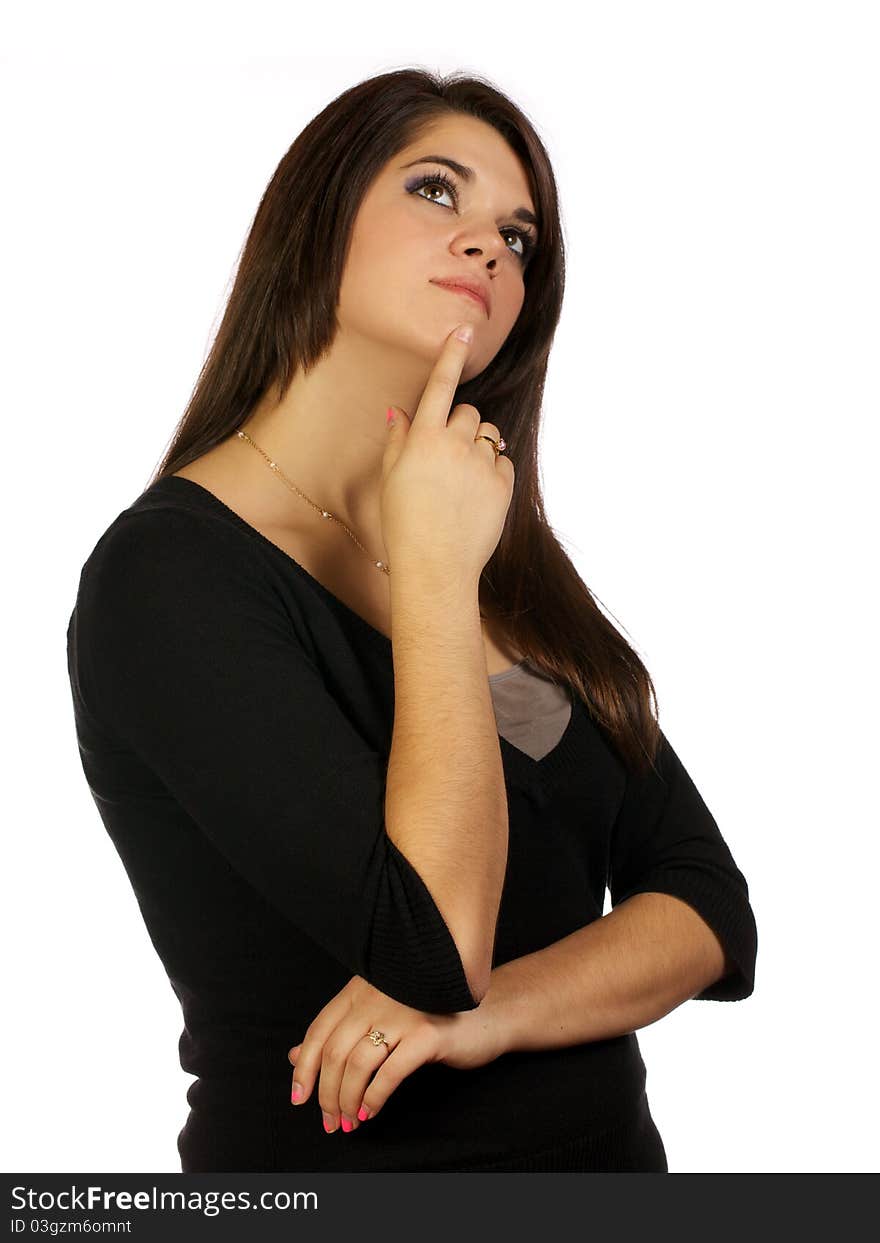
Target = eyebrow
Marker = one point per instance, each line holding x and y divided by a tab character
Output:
521	213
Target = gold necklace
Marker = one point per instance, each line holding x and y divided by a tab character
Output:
325	513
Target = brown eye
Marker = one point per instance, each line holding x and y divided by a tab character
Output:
428	180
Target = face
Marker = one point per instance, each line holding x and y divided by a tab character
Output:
412	230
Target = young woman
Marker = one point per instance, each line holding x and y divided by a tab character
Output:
369	750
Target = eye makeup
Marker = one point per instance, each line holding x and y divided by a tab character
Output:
440	178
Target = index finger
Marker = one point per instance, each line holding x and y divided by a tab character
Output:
436	399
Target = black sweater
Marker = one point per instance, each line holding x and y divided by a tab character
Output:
234	720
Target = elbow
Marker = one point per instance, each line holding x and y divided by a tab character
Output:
477	957
478	983
432	958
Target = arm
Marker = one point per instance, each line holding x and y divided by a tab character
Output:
681	927
183	655
666	841
619	973
446	801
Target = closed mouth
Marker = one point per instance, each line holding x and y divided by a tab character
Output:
463	289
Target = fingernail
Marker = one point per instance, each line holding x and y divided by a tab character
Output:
364	1113
465	332
389	415
329	1123
297	1093
347	1124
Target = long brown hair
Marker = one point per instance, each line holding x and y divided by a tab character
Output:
280	316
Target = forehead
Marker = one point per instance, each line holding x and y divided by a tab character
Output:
479	146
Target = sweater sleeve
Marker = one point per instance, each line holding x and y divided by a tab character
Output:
665	840
184	652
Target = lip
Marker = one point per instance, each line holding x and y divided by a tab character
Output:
471	288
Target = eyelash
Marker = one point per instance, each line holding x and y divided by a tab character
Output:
440	179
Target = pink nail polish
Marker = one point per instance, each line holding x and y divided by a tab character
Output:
346	1124
364	1113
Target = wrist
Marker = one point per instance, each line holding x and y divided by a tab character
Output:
433	603
417	576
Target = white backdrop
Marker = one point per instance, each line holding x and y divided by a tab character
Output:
705	461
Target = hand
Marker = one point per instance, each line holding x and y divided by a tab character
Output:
444	494
355	1073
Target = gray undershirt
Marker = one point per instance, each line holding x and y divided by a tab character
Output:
532	712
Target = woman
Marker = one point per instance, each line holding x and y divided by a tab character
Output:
366	745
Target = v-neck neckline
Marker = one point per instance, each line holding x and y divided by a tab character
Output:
528	769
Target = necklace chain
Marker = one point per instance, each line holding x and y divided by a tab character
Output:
325	513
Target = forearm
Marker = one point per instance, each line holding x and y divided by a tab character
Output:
446	800
619	973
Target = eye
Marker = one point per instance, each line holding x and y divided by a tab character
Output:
528	244
440	179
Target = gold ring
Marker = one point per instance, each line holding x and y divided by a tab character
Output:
498	445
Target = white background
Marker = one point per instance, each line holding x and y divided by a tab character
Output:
712	396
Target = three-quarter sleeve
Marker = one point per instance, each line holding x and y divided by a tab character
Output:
666	840
183	648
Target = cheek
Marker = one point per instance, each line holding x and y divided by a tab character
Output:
386	261
371	284
505	313
515	303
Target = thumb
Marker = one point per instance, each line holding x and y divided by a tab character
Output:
396	418
398	426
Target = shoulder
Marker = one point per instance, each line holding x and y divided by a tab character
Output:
156	555
157	530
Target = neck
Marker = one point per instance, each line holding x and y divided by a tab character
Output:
328	432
